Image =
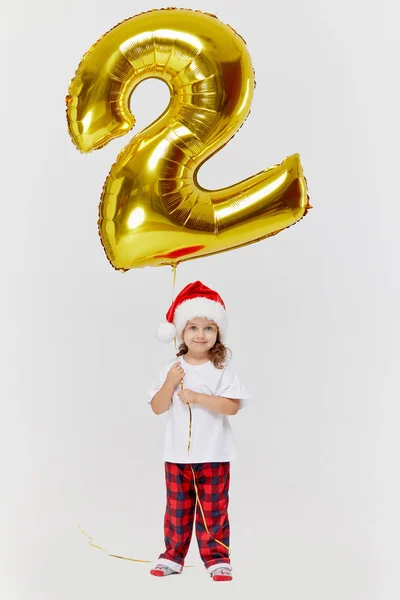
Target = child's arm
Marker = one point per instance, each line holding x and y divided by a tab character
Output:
162	399
218	404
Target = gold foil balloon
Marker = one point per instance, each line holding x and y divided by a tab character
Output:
153	211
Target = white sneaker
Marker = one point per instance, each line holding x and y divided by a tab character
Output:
222	574
162	570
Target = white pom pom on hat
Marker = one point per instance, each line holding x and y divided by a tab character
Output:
166	332
195	300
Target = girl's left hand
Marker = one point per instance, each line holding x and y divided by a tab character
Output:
188	397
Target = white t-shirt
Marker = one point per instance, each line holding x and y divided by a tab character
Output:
212	438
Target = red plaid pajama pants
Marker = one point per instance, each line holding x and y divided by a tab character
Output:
212	481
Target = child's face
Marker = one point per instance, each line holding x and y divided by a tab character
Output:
200	335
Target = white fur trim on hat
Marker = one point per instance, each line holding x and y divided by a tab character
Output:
203	308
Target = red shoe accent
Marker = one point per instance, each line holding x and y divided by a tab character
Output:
161	570
222	577
157	572
221	574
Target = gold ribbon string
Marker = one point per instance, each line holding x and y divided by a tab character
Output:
173	282
190	427
174	267
202	514
190	422
190	432
93	545
91	542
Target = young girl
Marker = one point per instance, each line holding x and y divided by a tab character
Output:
199	392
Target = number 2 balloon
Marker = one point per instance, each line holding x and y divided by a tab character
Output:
152	210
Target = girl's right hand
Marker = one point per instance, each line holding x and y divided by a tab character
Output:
175	375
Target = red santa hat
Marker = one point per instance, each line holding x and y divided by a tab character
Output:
195	300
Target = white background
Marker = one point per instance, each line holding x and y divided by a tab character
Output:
314	324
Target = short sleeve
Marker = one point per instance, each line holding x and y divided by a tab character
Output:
158	382
231	387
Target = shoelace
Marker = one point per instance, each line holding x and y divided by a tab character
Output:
162	568
221	571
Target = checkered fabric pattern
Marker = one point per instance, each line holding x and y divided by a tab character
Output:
212	481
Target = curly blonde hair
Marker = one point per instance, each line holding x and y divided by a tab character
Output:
218	354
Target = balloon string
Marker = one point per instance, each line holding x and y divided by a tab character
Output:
190	427
202	514
91	542
173	297
190	433
93	545
190	421
173	281
174	268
